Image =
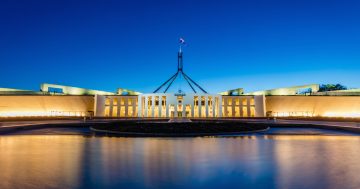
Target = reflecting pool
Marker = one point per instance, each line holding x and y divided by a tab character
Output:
256	161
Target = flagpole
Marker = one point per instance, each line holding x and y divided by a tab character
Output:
180	73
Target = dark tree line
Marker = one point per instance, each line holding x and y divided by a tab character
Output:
331	87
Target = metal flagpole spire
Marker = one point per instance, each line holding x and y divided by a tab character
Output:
180	73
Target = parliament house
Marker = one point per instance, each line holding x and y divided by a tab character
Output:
297	101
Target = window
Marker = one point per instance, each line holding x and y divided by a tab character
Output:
55	90
107	101
244	102
252	111
114	111
237	101
229	101
229	111
115	101
122	111
107	111
245	112
237	112
130	111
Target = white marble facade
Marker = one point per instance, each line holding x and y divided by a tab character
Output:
170	105
179	105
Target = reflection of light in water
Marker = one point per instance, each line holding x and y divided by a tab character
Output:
313	137
23	160
316	161
253	160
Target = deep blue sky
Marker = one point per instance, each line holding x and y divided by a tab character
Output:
255	44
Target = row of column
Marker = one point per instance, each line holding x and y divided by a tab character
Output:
126	105
170	100
143	105
144	100
142	108
240	107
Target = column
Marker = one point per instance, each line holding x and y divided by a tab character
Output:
199	106
160	105
175	106
167	105
134	106
184	108
118	107
111	107
248	107
233	106
146	106
139	105
152	105
213	106
225	107
260	106
241	108
126	106
206	106
99	105
220	112
192	106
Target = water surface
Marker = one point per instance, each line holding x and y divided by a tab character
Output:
258	161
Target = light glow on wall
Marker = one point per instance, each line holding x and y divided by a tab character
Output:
339	114
309	114
293	114
42	114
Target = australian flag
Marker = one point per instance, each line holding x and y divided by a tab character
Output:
182	41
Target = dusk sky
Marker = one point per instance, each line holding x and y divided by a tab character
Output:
254	44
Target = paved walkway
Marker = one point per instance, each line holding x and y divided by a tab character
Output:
9	124
328	123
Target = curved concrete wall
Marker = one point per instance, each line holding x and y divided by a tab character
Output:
45	105
333	106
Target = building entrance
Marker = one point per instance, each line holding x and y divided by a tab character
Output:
180	114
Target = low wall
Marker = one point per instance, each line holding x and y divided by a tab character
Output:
41	105
331	106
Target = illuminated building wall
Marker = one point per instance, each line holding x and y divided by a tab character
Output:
157	105
187	105
179	105
328	106
243	106
45	105
115	106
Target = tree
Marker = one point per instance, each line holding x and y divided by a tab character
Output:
331	87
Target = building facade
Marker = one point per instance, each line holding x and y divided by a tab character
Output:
168	105
172	105
60	100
